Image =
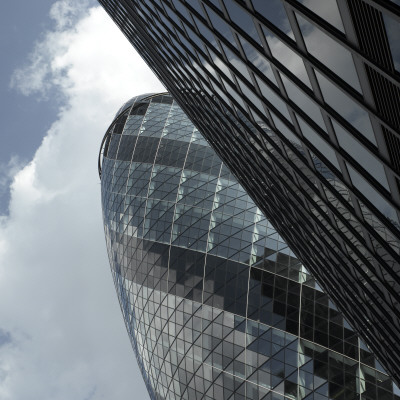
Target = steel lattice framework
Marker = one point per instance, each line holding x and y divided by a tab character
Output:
215	303
302	102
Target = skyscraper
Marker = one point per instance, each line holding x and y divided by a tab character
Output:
214	301
323	77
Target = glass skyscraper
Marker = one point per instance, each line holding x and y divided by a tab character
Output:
301	99
215	303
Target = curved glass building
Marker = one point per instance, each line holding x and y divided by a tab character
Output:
324	77
215	303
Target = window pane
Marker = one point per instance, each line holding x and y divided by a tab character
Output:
240	17
287	57
318	142
346	107
270	95
221	26
330	53
303	101
237	63
258	60
285	130
361	155
372	195
328	10
393	34
275	12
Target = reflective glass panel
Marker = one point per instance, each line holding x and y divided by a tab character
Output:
272	97
361	155
220	64
372	195
347	108
287	57
393	33
258	60
204	31
319	143
237	63
250	95
195	4
221	26
285	130
328	10
303	101
240	17
275	12
329	52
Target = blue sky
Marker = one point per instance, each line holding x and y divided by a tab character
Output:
21	23
66	72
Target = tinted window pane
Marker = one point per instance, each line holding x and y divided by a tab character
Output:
361	155
319	143
287	57
328	10
258	60
372	195
240	17
346	107
303	101
275	12
272	97
393	34
330	53
221	26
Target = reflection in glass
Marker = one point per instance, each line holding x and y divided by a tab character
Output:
393	33
220	64
287	57
361	155
328	10
242	19
251	96
285	130
221	26
303	101
237	63
318	142
329	52
373	196
204	31
346	107
272	97
258	60
275	12
195	4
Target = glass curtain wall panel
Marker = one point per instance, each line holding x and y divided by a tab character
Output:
215	302
301	99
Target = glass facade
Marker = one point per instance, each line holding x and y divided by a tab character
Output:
215	303
301	99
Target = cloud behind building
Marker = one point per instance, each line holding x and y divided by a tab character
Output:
61	331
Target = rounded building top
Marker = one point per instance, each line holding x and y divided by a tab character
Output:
129	106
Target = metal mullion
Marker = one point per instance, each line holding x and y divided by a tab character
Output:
332	33
385	6
347	158
358	169
333	210
332	77
301	190
168	79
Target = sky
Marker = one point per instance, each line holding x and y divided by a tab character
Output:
67	71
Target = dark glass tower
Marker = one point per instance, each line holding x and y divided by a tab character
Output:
215	303
301	99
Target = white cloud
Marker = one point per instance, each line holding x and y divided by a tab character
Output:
8	172
61	330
